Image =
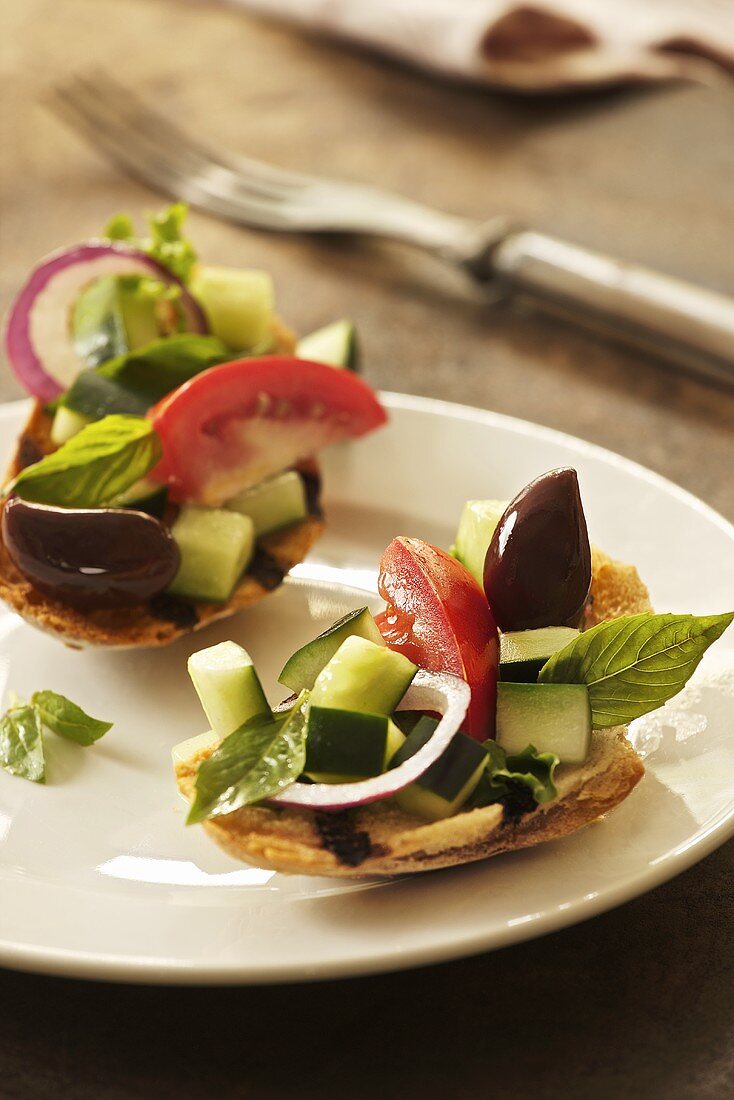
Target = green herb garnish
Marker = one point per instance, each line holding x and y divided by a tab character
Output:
21	743
634	664
257	761
94	467
68	720
520	781
21	732
166	243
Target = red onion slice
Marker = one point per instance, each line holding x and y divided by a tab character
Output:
37	338
433	691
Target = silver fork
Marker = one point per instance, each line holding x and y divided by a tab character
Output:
690	325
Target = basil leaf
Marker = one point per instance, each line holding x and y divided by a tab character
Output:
131	383
258	760
158	368
21	744
94	467
634	664
68	720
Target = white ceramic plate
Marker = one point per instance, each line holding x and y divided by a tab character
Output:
101	879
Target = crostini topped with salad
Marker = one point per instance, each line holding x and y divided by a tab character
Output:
484	710
167	475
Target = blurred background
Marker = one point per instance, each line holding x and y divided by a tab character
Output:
611	142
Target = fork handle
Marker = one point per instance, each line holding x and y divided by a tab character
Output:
689	324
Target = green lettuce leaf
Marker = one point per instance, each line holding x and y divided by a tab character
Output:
258	760
166	244
21	743
94	467
634	664
520	781
68	720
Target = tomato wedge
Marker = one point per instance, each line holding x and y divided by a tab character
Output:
438	616
237	423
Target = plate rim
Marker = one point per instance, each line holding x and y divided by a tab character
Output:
125	969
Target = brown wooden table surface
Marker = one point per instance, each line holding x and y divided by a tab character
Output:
639	1001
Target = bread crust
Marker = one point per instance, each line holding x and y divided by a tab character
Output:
381	839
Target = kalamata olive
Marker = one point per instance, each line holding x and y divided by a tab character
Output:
102	557
537	571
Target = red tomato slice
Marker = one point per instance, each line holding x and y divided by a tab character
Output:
438	616
235	424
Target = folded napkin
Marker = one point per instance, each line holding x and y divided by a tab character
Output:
539	47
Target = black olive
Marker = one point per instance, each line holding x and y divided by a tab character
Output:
102	557
537	571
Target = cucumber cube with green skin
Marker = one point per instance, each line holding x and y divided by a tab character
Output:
335	344
524	652
228	686
216	547
552	717
363	676
238	305
476	527
300	670
344	746
66	424
276	502
444	788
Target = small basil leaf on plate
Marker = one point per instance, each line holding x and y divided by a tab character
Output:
21	743
94	467
257	761
634	664
68	720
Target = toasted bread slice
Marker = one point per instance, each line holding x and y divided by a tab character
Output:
380	839
165	618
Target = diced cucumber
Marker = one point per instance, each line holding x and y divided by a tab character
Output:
300	670
363	676
238	305
335	344
274	503
66	424
474	534
95	396
524	652
343	745
445	786
228	686
184	750
552	717
216	547
118	313
144	496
